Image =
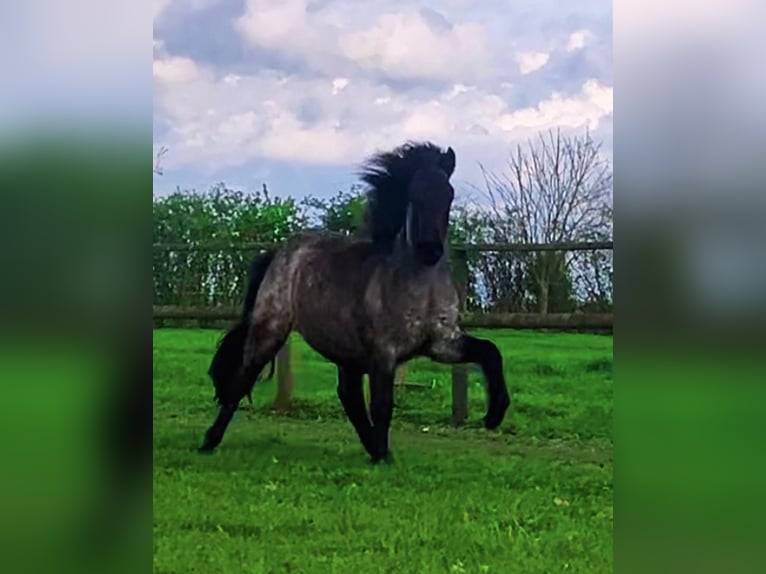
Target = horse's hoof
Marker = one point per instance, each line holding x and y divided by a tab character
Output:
492	423
496	413
206	448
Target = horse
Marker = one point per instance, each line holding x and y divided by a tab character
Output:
367	304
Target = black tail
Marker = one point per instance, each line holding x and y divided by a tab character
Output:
228	358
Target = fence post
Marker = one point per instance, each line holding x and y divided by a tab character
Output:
400	376
285	380
460	372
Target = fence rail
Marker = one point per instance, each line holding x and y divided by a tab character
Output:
467	247
559	321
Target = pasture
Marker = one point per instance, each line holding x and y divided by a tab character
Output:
296	493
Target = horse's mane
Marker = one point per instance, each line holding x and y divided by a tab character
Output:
388	175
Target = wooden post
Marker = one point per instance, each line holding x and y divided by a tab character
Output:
400	379
285	381
460	372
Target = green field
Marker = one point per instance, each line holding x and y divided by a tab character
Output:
297	494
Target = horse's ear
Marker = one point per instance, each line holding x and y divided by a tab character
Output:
447	162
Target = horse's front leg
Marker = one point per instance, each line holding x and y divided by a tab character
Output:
381	409
462	348
351	395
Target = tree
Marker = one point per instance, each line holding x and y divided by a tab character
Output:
191	274
157	169
342	213
495	280
556	188
593	270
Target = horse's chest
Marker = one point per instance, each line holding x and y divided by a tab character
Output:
415	325
420	323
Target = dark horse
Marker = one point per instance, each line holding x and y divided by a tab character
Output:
367	305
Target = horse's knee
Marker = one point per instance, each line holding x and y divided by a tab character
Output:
490	352
481	351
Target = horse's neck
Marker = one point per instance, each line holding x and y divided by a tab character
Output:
403	251
406	260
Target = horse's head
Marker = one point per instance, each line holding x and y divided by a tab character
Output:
410	196
430	199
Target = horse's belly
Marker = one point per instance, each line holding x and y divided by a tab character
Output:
336	349
330	334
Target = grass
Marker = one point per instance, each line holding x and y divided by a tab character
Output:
296	493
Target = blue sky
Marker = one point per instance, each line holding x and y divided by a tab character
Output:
295	93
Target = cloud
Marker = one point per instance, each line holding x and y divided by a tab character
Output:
585	109
338	85
175	70
531	61
407	45
578	40
281	26
322	41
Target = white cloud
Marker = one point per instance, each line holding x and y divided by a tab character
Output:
587	108
458	89
232	79
400	45
430	118
338	85
285	27
531	61
405	45
578	40
279	25
175	70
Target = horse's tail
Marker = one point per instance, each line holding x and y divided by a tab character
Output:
228	357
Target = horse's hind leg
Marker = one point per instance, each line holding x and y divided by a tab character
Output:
467	349
214	434
261	347
352	398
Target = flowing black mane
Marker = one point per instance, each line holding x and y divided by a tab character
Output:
388	175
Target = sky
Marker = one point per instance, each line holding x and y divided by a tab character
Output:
296	93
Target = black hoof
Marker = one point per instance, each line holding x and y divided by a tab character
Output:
491	423
495	416
208	446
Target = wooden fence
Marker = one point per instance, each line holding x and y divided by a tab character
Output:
553	321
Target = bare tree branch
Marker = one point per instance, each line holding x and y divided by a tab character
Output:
555	189
158	160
